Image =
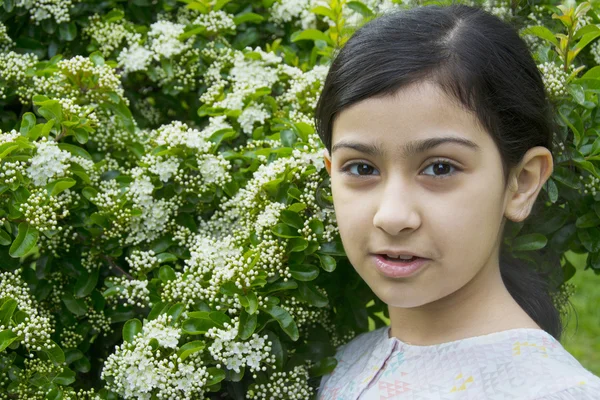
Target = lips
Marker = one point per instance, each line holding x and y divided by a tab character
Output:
399	268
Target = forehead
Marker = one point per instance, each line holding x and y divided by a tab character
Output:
417	112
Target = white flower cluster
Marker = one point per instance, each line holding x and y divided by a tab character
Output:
133	292
246	75
108	200
36	328
141	262
252	114
216	22
297	11
154	215
13	71
292	385
44	9
43	211
49	162
5	41
136	370
554	79
162	166
134	58
592	186
108	80
164	39
300	99
109	36
234	354
499	8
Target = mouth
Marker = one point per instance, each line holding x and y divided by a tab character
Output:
399	268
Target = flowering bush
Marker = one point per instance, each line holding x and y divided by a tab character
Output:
166	228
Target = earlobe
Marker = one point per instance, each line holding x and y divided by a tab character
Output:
327	161
526	182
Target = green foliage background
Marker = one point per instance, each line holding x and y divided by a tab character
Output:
165	218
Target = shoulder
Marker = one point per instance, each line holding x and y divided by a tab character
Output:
353	359
584	390
551	372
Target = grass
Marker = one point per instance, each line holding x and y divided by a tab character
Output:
582	333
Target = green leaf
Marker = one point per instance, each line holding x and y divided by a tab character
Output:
97	58
122	112
113	15
166	257
175	312
542	32
190	348
586	39
328	263
292	219
552	191
6	311
360	8
284	231
67	31
6	338
51	110
131	328
311	295
55	353
220	4
65	378
532	241
304	272
75	150
588	220
310	34
281	285
590	238
247	325
166	273
216	376
297	244
248	17
27	123
59	186
592	73
284	319
25	241
5	238
76	306
86	283
249	302
322	10
196	326
323	367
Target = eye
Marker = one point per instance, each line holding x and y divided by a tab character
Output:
362	169
441	167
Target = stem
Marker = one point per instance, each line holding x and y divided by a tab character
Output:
111	262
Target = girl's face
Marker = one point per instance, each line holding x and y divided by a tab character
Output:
397	186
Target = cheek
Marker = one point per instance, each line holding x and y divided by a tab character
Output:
470	219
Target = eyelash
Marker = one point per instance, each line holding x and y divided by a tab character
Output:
438	161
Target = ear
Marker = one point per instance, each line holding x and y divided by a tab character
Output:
327	160
526	181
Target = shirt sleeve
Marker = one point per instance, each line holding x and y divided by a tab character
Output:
580	392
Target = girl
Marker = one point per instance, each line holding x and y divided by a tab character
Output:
437	129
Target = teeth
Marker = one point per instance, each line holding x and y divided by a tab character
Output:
400	257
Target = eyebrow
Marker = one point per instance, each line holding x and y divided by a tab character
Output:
407	149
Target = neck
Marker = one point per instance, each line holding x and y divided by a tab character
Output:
482	306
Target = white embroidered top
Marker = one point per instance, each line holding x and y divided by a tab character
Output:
517	364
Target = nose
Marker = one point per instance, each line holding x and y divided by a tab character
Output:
397	209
